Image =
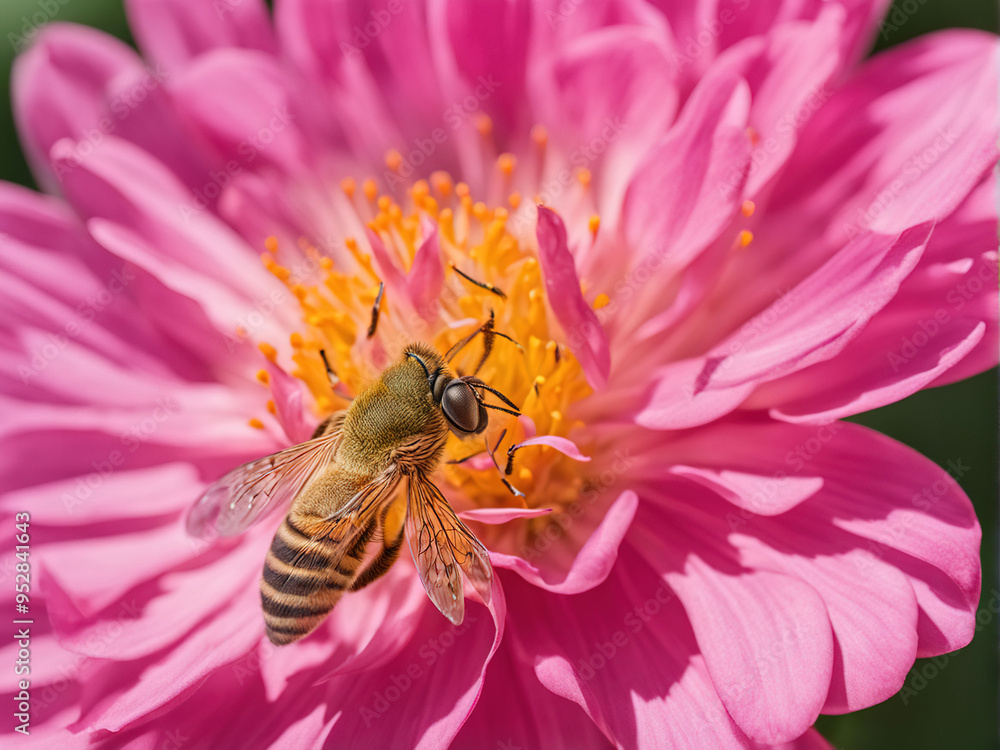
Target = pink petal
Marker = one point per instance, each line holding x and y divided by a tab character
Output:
118	698
673	402
811	740
287	394
856	38
763	474
563	445
242	103
488	42
534	717
388	267
443	668
81	84
625	653
157	613
818	318
940	326
874	615
766	636
583	330
502	515
426	277
674	207
594	89
584	557
173	32
789	72
913	515
90	572
899	165
92	499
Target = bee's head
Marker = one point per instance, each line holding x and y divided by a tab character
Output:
459	402
460	399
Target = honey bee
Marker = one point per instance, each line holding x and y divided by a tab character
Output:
342	485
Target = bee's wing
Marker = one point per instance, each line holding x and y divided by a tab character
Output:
245	495
440	544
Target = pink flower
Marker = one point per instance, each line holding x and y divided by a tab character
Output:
746	236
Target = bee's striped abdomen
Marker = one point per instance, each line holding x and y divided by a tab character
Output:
305	574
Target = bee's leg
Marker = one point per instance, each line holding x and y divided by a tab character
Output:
392	542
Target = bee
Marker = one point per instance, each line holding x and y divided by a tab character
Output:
343	488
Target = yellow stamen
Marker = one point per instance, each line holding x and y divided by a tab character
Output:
583	176
442	183
271	244
256	423
370	190
748	208
268	351
540	135
745	238
263	377
594	223
601	301
484	124
393	160
506	163
348	186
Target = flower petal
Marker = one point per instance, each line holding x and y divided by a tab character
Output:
941	326
173	32
501	515
85	85
584	558
625	653
675	207
584	333
766	636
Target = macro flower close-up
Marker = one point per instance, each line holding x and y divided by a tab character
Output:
665	250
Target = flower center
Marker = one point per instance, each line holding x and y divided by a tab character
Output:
431	264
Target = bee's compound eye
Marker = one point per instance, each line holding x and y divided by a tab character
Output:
461	406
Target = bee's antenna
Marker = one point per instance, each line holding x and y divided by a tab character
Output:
375	310
426	371
476	383
500	408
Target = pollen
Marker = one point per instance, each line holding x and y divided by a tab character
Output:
601	301
256	423
745	238
263	377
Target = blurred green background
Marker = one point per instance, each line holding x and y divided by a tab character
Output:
949	702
